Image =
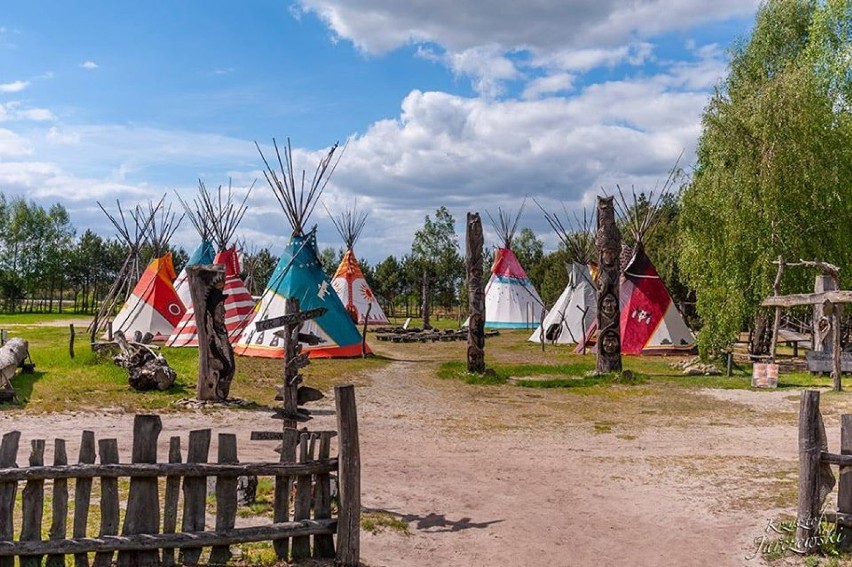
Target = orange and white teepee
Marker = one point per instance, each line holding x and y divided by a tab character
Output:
154	306
349	281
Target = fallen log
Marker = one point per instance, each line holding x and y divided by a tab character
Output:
12	355
147	369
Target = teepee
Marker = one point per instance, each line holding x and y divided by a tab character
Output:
203	254
511	300
650	321
299	273
222	213
576	308
348	280
131	228
154	306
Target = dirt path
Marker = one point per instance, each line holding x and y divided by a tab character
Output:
509	476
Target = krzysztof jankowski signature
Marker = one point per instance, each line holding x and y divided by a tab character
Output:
788	542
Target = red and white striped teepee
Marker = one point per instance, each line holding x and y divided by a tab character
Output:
238	305
223	216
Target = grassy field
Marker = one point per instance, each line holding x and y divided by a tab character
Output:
61	383
89	381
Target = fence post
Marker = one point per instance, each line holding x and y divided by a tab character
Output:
349	478
8	491
143	500
807	516
844	486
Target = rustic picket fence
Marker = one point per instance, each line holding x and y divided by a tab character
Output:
305	483
816	479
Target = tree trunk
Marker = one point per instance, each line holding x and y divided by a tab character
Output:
476	295
759	339
215	354
608	242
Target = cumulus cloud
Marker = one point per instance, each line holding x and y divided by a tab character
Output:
378	26
14	86
90	65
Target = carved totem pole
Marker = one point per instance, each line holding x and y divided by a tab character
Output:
476	295
215	354
608	242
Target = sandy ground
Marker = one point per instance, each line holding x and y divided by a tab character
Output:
510	476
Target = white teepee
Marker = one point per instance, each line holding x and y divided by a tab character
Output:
511	300
576	308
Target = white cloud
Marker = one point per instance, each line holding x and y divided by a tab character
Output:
90	65
549	85
12	144
378	26
486	66
13	87
59	136
15	111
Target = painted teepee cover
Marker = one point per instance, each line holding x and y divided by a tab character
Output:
511	300
348	280
204	254
573	312
238	305
650	321
355	293
299	274
153	305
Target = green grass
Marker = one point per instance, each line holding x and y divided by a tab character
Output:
576	372
377	521
89	381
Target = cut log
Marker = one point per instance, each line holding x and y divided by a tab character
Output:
12	354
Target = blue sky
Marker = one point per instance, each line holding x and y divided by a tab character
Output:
462	103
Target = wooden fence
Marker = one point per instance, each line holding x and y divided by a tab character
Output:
816	479
149	534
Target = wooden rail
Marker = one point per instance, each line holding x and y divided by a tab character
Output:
150	533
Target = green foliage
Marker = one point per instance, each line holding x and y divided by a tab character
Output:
435	256
774	159
528	248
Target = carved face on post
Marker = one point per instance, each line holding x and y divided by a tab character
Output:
610	342
608	257
609	305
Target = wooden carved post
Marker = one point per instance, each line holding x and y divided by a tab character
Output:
292	348
215	354
425	303
476	295
821	337
608	243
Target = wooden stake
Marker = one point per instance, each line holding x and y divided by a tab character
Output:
349	478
